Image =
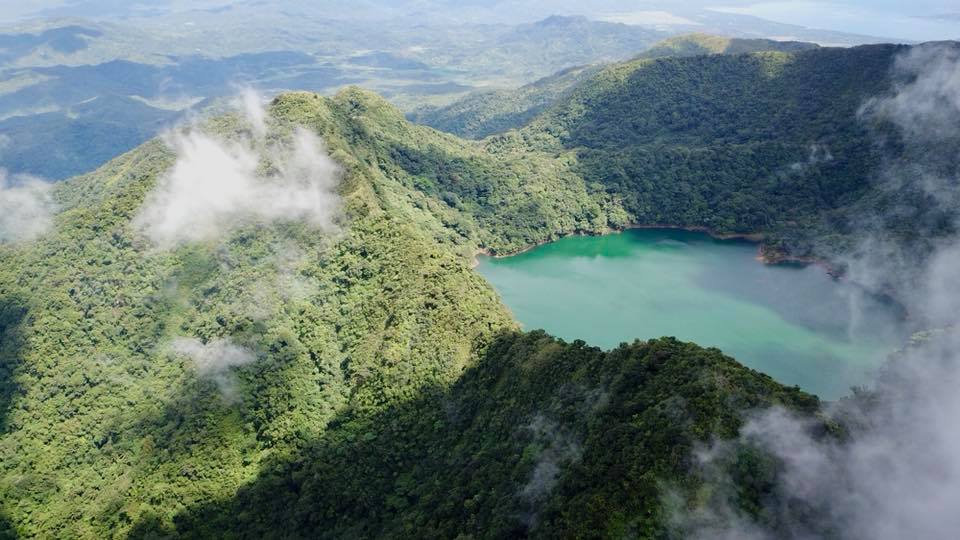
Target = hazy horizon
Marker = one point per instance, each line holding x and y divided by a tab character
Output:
917	21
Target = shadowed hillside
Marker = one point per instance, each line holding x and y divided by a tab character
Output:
540	438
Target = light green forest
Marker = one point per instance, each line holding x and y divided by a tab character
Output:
391	394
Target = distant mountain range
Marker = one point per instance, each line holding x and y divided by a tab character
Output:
77	89
162	63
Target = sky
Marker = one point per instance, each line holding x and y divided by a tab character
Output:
919	20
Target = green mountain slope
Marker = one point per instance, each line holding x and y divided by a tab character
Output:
485	113
89	310
287	379
540	438
771	143
700	44
385	390
767	144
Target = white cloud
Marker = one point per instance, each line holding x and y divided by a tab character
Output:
556	450
251	103
926	102
216	185
897	475
26	207
816	155
214	361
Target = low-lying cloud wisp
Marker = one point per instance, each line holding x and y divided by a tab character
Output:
249	177
557	449
217	184
251	103
897	476
26	207
214	361
926	99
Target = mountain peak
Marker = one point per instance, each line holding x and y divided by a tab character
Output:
561	20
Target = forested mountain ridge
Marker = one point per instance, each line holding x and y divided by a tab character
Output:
482	114
90	314
775	143
771	144
343	376
485	113
541	438
701	44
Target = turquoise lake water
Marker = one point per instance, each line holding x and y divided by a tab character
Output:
794	323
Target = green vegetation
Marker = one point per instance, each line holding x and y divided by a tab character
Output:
483	457
701	44
380	357
104	427
390	393
769	143
486	113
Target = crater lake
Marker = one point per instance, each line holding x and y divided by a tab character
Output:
796	323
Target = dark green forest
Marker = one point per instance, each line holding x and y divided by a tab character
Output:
483	457
769	143
391	393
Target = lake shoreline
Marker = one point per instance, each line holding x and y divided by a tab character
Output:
764	254
774	317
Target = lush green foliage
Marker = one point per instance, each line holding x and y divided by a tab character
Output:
540	437
769	143
486	113
103	426
701	44
391	395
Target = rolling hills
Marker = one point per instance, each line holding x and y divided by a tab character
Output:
75	81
